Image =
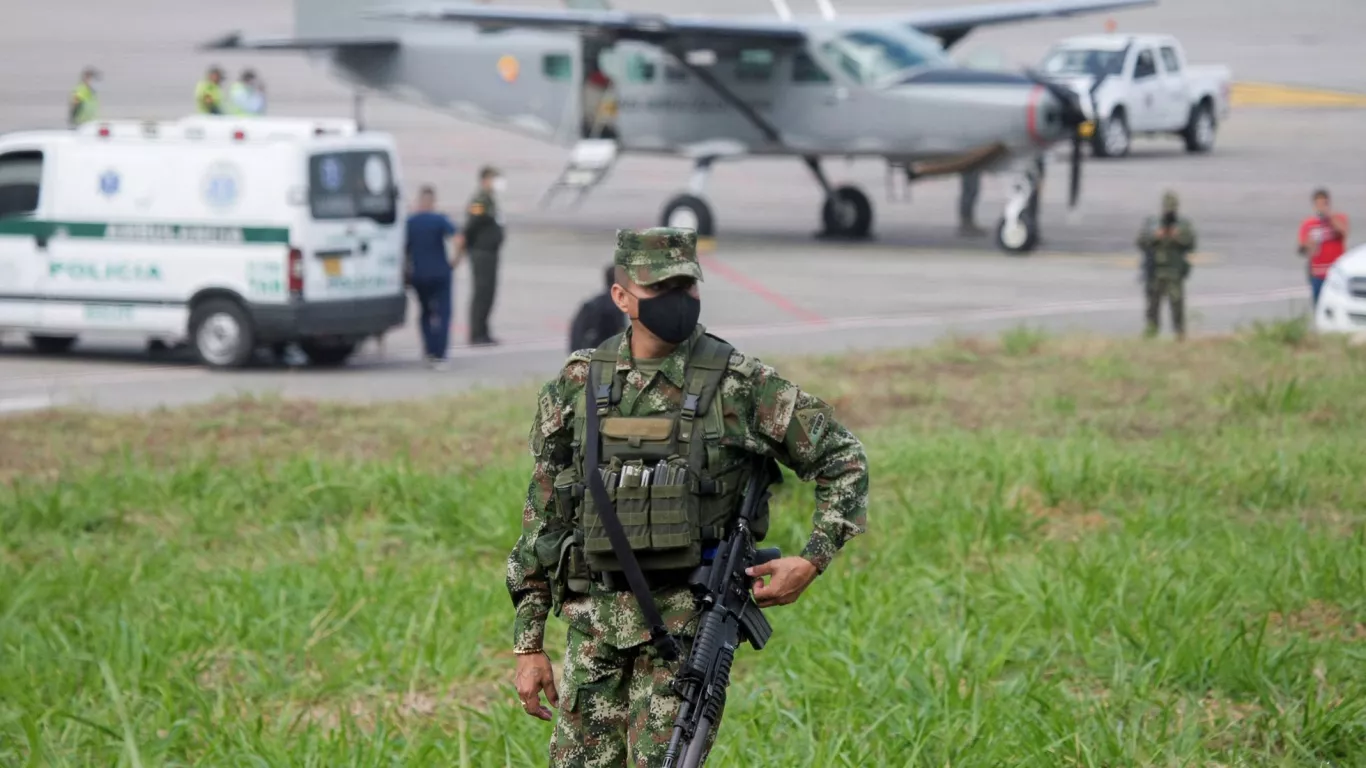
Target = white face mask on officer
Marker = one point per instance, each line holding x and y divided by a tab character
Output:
499	184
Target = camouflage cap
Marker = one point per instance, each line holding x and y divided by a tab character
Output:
1169	201
654	255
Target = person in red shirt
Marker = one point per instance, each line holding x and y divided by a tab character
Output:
1323	238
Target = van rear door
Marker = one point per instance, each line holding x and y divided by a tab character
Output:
354	244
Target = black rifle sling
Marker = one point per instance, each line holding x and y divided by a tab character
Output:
663	642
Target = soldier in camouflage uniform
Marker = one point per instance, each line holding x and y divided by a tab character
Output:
1166	243
616	706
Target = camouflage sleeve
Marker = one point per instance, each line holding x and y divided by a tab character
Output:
1185	236
801	431
549	440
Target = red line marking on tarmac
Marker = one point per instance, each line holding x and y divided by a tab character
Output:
759	289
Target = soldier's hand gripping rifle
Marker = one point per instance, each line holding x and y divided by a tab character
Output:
729	615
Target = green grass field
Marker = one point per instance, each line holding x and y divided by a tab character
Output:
1081	552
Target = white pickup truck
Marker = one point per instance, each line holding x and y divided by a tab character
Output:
1140	85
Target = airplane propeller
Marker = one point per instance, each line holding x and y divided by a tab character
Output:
1073	117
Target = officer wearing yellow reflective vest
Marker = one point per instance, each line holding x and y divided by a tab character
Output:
680	417
208	94
84	102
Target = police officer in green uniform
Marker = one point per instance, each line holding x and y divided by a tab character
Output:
208	94
84	102
483	239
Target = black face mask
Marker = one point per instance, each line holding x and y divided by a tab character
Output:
671	316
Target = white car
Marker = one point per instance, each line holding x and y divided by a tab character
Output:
1141	85
231	234
1342	300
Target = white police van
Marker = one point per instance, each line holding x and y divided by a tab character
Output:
225	233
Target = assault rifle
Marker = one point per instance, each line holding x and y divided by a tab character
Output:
729	615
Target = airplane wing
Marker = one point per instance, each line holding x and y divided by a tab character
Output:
951	24
595	17
236	42
646	27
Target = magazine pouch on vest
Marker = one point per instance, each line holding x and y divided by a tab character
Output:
656	470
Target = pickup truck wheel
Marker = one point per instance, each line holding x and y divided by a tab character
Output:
1199	134
222	334
1112	140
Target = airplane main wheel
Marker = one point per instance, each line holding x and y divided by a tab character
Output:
847	213
1020	235
689	212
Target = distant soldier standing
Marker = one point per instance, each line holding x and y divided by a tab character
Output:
483	239
683	407
84	103
1166	243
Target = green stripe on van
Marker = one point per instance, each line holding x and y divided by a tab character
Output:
206	234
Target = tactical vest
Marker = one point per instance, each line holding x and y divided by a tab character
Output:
664	474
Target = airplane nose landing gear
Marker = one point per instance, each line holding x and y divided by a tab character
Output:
1018	230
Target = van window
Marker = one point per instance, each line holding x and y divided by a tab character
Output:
21	176
352	185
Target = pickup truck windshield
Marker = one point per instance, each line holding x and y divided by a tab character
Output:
352	185
1078	61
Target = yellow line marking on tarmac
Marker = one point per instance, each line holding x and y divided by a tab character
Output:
1275	95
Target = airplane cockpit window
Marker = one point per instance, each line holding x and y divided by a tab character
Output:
1080	61
806	70
875	58
639	69
754	65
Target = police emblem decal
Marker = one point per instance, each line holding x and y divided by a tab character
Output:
109	183
222	186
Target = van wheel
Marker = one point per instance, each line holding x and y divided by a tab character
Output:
323	354
51	345
222	334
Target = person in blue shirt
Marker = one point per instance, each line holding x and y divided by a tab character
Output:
431	269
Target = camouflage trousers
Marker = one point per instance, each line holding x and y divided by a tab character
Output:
617	706
1174	290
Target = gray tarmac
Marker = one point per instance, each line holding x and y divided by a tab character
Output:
771	287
